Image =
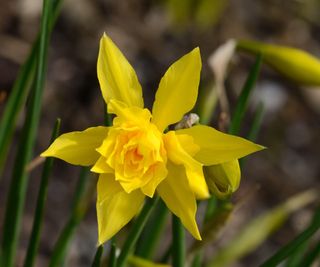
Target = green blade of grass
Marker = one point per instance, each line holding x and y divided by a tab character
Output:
20	90
80	203
256	123
313	255
17	191
294	260
112	262
136	230
285	251
242	102
97	257
152	232
178	243
255	232
42	196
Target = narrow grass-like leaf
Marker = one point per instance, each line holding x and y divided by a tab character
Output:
42	196
285	251
178	249
256	231
294	260
21	88
242	102
152	232
256	123
136	230
312	256
97	257
17	191
197	260
80	204
112	257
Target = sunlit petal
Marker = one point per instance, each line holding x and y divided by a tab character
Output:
217	147
115	208
78	148
117	78
178	90
178	155
179	198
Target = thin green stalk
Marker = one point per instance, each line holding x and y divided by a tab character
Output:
112	257
197	260
136	230
313	255
152	232
20	90
294	260
256	123
242	102
18	184
178	250
285	251
42	196
79	207
97	257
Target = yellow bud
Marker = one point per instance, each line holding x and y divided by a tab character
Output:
223	179
293	63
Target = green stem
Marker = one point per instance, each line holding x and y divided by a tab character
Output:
112	258
18	184
78	210
42	196
178	243
243	100
136	230
152	232
20	90
97	257
285	251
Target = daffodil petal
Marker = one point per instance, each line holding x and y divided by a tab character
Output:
179	198
101	166
194	172
78	148
217	147
223	179
115	207
117	78
178	90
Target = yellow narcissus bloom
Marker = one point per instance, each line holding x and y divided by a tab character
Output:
134	157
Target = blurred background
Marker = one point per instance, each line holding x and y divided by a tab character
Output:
152	35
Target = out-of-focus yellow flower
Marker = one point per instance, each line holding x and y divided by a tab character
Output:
135	157
293	63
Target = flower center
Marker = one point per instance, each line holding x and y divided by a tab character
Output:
134	149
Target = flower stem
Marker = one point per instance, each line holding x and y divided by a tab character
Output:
178	243
41	201
136	230
97	257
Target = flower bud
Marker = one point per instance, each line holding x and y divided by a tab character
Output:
293	63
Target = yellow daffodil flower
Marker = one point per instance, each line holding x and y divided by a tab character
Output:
134	157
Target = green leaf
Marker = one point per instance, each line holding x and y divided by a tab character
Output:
136	230
259	229
292	63
112	257
17	191
243	100
42	196
97	257
81	201
312	256
21	88
287	250
152	232
178	249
